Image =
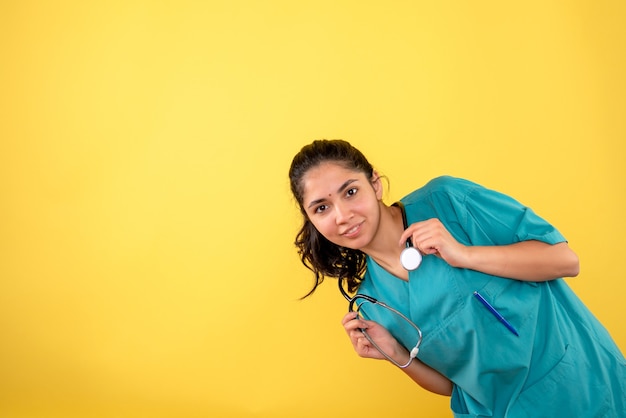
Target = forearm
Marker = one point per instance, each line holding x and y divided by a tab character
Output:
425	376
428	378
527	260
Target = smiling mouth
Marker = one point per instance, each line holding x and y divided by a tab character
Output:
352	231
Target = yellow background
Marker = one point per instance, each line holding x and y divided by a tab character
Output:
146	227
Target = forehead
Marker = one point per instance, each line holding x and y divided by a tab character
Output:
325	179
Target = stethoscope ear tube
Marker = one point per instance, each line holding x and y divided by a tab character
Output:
365	298
353	300
343	291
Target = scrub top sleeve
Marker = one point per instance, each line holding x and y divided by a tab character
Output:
500	220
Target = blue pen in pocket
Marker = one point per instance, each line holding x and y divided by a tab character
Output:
495	313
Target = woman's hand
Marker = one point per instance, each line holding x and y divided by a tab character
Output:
426	377
431	237
353	325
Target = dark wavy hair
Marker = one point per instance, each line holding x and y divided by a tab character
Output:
318	254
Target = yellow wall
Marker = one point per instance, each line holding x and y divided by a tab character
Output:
146	227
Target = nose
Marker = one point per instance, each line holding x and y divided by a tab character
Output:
342	213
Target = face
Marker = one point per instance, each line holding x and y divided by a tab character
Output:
343	204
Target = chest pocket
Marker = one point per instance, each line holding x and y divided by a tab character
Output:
455	325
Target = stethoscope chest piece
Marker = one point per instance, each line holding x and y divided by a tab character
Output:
410	258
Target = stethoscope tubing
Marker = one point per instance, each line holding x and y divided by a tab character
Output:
351	308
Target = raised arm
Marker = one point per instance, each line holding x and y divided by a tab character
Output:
527	260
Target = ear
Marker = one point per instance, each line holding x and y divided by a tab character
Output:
377	184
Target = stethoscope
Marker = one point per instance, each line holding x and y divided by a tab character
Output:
410	259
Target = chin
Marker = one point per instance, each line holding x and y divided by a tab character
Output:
356	244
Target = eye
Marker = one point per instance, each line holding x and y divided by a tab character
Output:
321	208
351	192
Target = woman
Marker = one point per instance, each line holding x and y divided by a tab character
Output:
503	334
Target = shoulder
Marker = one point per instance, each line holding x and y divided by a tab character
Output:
453	187
449	183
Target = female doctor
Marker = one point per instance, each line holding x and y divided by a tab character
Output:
498	330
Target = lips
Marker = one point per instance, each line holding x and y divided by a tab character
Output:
352	231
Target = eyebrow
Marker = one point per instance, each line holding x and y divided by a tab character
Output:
339	190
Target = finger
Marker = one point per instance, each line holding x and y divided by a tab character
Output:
355	325
427	247
348	317
362	344
417	229
408	233
356	336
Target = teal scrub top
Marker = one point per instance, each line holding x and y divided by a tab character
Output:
563	363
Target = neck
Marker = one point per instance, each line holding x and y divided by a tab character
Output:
385	249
